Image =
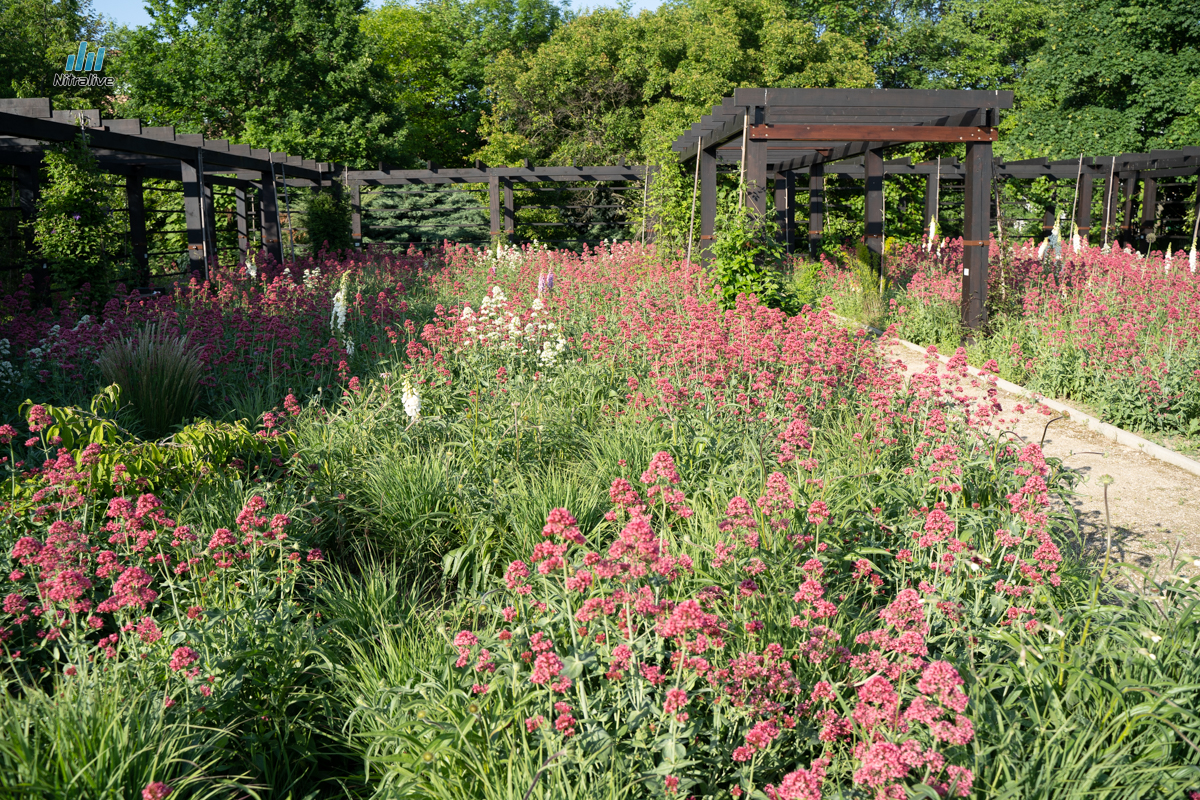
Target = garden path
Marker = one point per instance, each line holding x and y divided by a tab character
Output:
1154	506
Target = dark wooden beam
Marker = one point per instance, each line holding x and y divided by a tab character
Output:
242	217
785	208
468	175
873	205
976	232
708	202
1083	208
155	142
356	216
816	207
932	193
869	133
135	203
494	206
755	174
1130	187
874	98
510	208
210	224
193	200
1149	204
272	240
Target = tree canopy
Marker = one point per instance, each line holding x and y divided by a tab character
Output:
611	84
503	80
292	75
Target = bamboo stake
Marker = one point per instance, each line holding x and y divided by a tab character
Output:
1108	190
742	165
695	189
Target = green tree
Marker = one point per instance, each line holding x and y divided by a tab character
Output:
36	36
963	44
610	84
1112	76
292	75
435	54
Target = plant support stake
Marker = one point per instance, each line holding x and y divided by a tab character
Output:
695	189
287	203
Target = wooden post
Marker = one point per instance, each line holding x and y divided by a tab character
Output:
1112	197
789	214
210	225
1083	206
193	215
510	208
931	199
356	216
1047	223
874	199
135	201
756	172
1149	205
779	187
269	200
1127	226
816	207
29	189
242	214
708	202
494	207
976	227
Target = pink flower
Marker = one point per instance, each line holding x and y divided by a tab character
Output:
183	657
676	700
545	668
148	631
803	784
156	791
533	723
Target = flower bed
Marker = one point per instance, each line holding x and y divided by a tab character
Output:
570	529
1117	331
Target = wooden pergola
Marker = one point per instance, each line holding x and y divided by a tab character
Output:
782	132
138	152
778	137
126	147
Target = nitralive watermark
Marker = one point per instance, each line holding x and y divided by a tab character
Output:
89	64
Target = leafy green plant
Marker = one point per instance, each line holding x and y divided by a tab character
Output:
97	737
747	259
159	374
75	230
327	220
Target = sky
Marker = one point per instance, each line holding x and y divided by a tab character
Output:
133	12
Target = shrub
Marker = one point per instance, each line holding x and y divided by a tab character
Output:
747	259
327	220
75	230
159	375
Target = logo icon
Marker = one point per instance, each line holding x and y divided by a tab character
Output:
83	61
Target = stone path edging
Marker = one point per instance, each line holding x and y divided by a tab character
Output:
1118	435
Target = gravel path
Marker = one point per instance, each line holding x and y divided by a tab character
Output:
1155	507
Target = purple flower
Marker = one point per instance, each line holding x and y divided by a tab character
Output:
550	282
76	216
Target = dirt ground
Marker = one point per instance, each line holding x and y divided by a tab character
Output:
1154	506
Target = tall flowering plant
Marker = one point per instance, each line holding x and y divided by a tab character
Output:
740	669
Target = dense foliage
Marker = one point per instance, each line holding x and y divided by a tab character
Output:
1115	330
526	523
